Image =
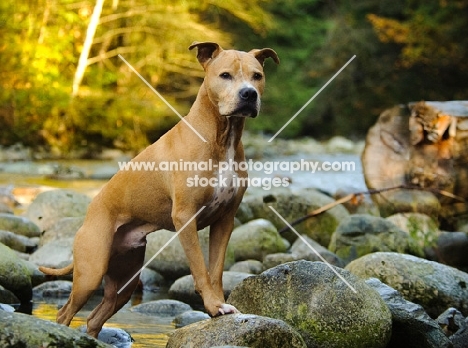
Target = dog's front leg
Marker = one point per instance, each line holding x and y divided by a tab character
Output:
189	239
220	232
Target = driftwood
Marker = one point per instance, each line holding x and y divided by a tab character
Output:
422	144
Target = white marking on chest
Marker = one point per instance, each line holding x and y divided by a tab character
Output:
226	189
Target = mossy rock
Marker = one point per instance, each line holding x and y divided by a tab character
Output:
292	206
310	297
15	274
255	240
236	330
19	225
359	235
422	228
434	286
25	331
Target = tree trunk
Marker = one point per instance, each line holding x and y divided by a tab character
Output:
83	61
422	144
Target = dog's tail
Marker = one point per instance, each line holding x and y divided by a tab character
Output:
57	272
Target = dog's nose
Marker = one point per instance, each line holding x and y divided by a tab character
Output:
248	94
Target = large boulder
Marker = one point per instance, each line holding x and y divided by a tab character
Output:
422	228
56	254
430	284
292	206
255	240
310	297
360	235
50	206
183	288
302	251
14	274
172	263
19	225
237	330
412	327
451	249
21	330
63	228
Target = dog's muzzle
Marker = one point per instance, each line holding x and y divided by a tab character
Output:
249	104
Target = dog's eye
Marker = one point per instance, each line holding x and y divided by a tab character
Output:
257	76
225	75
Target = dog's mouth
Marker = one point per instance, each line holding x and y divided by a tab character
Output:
245	111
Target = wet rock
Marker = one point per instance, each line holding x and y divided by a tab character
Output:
292	206
244	213
162	308
50	206
422	228
452	249
360	235
54	288
63	228
22	330
6	308
6	296
151	280
14	274
255	240
310	297
172	263
19	225
452	321
277	259
183	288
238	330
248	266
17	242
189	317
116	337
56	254
430	284
455	327
302	251
412	327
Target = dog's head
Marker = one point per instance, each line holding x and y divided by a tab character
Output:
234	80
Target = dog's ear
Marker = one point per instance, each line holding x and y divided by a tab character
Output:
265	53
206	51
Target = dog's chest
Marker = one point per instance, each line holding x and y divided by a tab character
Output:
226	183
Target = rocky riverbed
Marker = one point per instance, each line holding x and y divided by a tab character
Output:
355	278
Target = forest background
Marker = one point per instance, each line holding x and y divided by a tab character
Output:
406	51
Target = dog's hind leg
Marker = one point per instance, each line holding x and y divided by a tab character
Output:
128	253
117	292
91	251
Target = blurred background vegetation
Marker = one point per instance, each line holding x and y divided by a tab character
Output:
406	51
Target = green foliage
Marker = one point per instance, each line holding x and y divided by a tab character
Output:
406	51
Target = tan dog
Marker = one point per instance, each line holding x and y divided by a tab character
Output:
111	243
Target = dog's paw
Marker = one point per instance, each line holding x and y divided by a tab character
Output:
227	309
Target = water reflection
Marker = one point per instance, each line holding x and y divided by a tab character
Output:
147	331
